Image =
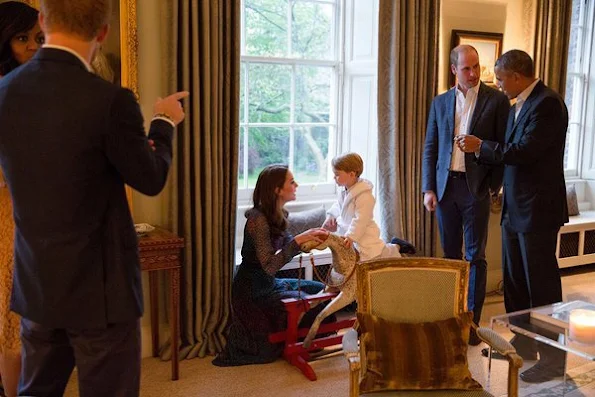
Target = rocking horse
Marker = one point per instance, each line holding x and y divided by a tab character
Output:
342	277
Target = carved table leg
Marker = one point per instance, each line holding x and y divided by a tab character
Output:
175	321
153	288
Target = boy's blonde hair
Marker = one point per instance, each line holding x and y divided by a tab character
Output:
349	162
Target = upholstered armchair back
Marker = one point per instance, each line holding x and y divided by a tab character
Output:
413	289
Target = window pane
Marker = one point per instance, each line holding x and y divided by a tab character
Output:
313	94
241	165
573	61
571	149
242	92
311	30
311	155
574	87
569	94
267	145
270	93
266	27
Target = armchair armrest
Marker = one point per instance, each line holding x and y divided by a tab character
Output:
351	351
502	346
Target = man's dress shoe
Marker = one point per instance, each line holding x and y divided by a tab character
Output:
542	372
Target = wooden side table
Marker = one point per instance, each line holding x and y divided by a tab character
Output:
161	250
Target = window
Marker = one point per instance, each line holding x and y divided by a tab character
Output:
576	98
308	92
290	72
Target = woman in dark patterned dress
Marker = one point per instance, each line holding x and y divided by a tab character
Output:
256	293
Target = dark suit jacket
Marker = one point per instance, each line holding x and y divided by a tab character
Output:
533	155
69	142
488	122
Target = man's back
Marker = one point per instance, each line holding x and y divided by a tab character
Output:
63	149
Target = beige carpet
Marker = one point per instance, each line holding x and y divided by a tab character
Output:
199	377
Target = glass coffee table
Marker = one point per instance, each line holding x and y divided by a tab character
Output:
548	325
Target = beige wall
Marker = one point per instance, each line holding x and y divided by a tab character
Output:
514	19
148	209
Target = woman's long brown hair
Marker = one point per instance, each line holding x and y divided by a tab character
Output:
265	196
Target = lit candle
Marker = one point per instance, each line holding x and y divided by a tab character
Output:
582	326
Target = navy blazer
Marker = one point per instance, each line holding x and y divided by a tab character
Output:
533	155
69	142
488	122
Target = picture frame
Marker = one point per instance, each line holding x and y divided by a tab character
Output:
488	46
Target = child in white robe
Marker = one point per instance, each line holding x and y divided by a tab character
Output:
352	216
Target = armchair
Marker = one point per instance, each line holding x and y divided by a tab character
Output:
416	290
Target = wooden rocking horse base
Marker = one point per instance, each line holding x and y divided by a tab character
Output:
294	352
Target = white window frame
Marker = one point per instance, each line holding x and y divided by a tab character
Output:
356	115
319	192
583	102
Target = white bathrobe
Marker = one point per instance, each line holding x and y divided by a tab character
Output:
354	212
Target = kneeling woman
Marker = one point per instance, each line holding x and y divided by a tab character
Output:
256	294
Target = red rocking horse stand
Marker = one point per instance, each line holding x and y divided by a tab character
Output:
294	352
297	352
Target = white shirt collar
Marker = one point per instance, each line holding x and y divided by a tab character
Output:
522	97
70	50
474	89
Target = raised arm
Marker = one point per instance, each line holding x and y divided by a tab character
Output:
538	137
502	113
127	147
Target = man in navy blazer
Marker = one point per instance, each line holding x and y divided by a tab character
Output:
534	205
69	141
453	183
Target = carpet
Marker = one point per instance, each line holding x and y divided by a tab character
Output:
580	382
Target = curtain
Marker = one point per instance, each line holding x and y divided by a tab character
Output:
202	44
552	36
407	82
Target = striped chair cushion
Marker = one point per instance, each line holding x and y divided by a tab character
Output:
415	356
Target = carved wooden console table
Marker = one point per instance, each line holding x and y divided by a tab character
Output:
161	250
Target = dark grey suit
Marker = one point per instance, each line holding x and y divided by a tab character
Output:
69	142
463	200
534	207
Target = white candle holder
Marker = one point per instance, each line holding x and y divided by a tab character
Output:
581	326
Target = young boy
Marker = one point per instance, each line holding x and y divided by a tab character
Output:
352	215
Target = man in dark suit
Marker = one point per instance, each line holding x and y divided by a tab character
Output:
453	183
69	142
534	205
